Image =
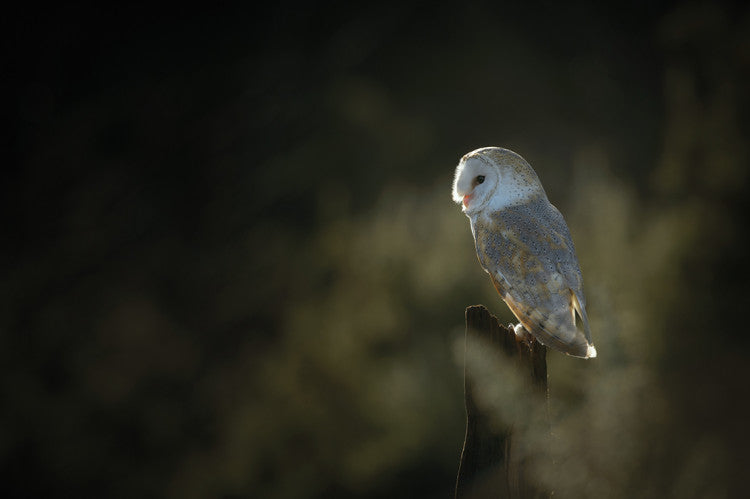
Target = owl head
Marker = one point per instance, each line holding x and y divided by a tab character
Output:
494	178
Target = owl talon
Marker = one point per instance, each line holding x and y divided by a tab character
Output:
521	333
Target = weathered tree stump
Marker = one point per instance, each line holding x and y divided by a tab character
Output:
503	433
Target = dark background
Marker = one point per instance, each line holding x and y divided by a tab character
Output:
231	266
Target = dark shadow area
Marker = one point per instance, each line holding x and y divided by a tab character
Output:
231	265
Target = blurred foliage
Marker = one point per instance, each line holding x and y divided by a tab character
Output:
232	267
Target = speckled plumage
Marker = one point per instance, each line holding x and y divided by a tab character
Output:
522	241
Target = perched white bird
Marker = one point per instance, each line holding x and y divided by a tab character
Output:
523	243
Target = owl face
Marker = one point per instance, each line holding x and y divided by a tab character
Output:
493	178
475	181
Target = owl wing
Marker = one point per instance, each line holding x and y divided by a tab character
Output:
529	254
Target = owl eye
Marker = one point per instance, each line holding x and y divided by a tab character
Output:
480	179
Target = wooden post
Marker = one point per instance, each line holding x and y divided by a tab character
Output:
494	454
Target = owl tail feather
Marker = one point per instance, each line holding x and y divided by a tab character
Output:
555	332
579	347
581	310
582	314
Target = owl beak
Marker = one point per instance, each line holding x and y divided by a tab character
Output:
467	200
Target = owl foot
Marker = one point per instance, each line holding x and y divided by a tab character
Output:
521	333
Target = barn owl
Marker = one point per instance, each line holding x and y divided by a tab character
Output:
523	243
